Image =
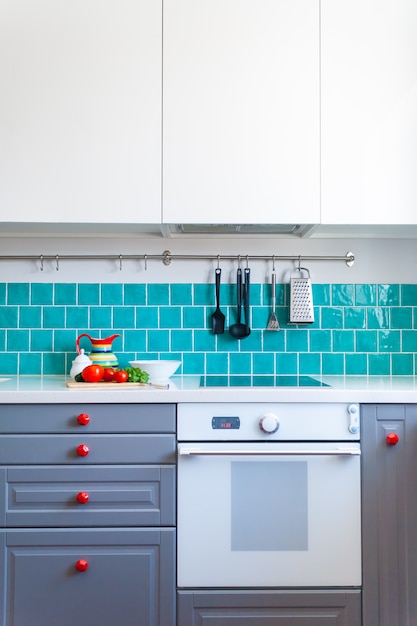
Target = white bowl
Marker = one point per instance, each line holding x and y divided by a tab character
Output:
157	370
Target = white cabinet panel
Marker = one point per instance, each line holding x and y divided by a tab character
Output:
369	104
80	112
241	111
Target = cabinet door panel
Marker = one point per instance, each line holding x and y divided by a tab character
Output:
369	100
129	580
241	111
132	496
80	112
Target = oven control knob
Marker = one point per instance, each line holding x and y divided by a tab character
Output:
269	423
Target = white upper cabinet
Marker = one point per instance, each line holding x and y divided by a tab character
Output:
369	111
241	111
80	110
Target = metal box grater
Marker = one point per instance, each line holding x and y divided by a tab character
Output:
301	298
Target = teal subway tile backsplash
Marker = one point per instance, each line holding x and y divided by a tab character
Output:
359	329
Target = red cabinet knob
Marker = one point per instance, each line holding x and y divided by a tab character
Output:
392	439
82	497
82	449
81	565
83	419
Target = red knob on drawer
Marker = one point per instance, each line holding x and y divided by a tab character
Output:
392	439
83	419
81	565
82	449
82	497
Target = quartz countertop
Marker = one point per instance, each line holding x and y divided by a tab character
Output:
359	389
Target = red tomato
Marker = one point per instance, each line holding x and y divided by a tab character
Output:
108	375
120	376
92	373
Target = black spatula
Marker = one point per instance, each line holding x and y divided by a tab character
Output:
217	318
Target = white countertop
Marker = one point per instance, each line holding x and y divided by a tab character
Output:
52	389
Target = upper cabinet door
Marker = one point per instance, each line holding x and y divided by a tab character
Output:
241	111
369	111
80	110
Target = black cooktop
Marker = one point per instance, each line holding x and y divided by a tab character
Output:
282	380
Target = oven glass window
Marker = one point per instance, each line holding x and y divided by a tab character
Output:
269	506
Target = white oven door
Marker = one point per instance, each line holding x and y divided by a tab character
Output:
269	515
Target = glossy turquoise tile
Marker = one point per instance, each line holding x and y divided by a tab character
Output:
309	363
365	295
409	338
320	341
366	340
182	340
181	294
9	363
30	363
217	363
134	294
53	363
42	293
356	364
147	317
408	295
9	316
401	317
17	340
402	364
204	341
101	317
274	341
263	363
321	294
112	294
343	295
170	317
379	364
158	340
77	317
30	317
193	363
253	343
266	295
3	288
333	364
297	340
355	317
41	340
388	295
124	316
255	294
331	317
260	316
343	340
89	293
65	294
227	343
389	341
195	317
135	341
158	294
64	341
286	363
240	363
204	295
3	333
18	293
378	317
54	317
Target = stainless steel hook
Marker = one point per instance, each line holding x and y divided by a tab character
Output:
57	262
145	257
41	260
120	262
273	262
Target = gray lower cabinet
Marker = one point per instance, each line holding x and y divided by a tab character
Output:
87	515
269	608
389	490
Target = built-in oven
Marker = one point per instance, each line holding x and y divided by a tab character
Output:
269	495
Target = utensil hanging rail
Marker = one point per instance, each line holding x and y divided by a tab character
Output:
166	257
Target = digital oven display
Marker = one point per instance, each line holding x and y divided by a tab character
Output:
225	423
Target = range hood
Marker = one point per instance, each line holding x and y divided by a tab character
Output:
290	230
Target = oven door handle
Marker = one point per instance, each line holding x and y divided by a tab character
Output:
334	452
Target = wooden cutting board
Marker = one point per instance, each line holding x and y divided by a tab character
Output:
72	384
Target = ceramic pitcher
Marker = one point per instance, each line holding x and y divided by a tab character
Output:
102	351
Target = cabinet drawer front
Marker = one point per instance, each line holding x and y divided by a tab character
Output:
90	496
59	449
101	418
130	577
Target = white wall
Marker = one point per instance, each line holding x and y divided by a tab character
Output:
376	260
